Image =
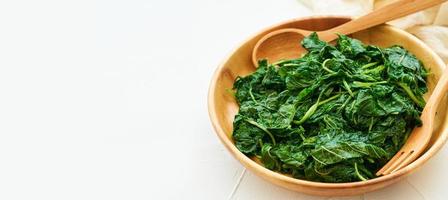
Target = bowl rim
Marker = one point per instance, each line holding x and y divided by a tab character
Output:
252	165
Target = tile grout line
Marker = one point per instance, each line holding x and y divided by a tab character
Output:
237	184
418	191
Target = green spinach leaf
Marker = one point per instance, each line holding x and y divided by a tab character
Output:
337	114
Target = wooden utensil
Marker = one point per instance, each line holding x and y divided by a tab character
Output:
284	43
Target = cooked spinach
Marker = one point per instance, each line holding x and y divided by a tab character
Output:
337	114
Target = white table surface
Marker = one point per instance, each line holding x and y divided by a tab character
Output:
106	99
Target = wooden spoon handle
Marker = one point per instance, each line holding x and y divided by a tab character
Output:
384	14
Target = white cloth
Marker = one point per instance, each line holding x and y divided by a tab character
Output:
430	25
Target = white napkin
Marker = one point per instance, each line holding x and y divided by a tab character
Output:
430	25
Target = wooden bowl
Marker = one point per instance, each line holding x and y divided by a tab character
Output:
223	107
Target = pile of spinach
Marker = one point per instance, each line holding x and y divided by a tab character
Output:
337	114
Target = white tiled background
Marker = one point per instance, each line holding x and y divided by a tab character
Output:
106	99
